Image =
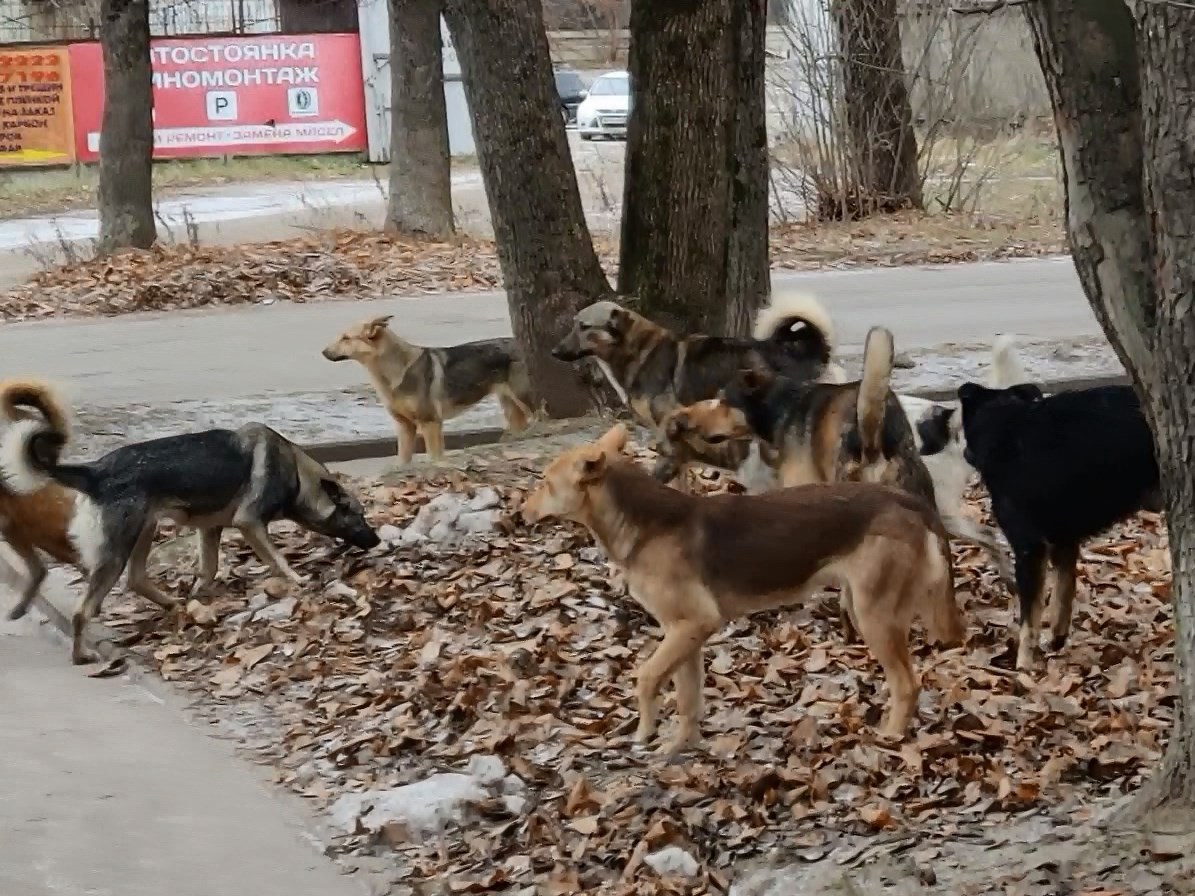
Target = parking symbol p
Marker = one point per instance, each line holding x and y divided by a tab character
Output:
221	105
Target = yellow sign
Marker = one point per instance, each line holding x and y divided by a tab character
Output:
36	127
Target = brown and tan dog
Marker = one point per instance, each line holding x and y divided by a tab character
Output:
421	387
37	522
694	563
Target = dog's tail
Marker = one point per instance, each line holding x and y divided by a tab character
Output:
944	619
799	319
1007	369
31	447
872	399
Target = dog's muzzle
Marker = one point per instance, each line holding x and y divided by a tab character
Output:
560	353
331	355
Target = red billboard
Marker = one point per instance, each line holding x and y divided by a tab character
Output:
269	93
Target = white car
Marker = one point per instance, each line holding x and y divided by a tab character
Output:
603	113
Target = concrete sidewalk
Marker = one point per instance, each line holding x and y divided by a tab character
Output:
109	791
137	376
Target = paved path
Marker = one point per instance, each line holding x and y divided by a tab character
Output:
109	791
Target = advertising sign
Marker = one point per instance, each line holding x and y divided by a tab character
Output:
35	107
238	95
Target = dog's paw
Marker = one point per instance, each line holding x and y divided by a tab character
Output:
18	612
1058	641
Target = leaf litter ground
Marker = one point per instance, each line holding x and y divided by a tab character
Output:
354	264
386	668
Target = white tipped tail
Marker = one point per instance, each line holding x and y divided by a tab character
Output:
789	309
16	469
1007	369
872	399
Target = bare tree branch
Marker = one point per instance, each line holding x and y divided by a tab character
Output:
986	9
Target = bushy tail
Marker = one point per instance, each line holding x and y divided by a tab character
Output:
31	447
799	319
872	399
16	396
1007	369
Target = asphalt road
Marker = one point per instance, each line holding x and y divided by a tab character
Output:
234	353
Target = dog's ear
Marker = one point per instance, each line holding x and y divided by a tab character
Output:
970	392
755	379
593	467
375	327
1028	392
614	439
619	321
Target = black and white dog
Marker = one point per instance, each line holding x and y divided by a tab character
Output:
244	478
1060	469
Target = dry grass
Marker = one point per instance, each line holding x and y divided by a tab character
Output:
47	191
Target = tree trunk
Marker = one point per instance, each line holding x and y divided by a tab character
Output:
694	247
127	130
1122	98
420	164
548	262
882	147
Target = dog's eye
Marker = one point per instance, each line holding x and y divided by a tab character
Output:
716	439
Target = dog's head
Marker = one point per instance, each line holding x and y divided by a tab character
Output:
979	402
567	479
750	384
599	331
938	428
359	342
327	507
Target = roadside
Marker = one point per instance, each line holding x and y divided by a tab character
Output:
136	377
108	789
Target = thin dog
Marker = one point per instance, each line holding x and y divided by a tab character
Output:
35	523
1060	469
421	387
655	370
213	479
694	563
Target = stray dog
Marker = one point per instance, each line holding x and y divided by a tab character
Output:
422	387
37	522
655	370
693	563
244	478
1060	469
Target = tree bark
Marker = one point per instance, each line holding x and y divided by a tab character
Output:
1123	93
694	249
126	130
882	153
548	262
420	164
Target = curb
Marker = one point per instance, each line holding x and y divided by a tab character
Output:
369	448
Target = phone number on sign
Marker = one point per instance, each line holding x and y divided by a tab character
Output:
37	76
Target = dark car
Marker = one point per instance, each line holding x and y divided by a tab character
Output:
571	89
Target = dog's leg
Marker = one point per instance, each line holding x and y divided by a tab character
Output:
35	574
1064	559
433	439
888	641
681	640
689	679
985	537
407	433
101	581
259	540
139	582
209	559
1031	568
517	414
846	614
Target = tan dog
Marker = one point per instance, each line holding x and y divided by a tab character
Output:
422	387
39	522
694	563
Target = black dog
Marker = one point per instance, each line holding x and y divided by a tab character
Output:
1060	470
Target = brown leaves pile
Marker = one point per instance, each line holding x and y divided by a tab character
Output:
357	264
387	668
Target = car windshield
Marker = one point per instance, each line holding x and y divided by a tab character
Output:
610	85
569	82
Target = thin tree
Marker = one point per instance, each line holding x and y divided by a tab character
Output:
548	262
126	129
694	248
420	164
1123	94
882	156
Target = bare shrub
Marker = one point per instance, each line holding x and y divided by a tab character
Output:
970	108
